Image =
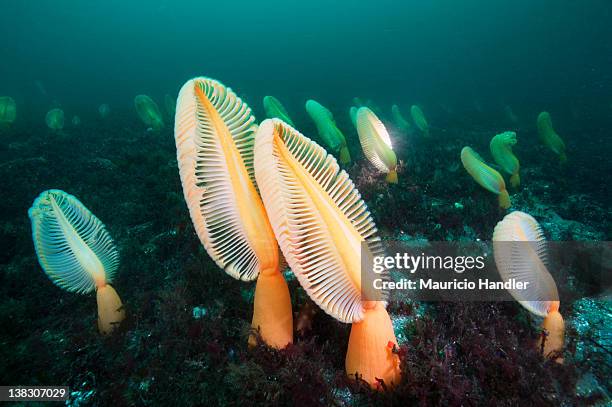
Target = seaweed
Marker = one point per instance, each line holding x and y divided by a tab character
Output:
165	353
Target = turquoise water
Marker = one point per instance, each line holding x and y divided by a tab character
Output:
522	53
476	69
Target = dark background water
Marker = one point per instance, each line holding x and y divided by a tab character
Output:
465	54
532	54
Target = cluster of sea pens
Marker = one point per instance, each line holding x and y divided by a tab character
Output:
295	357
